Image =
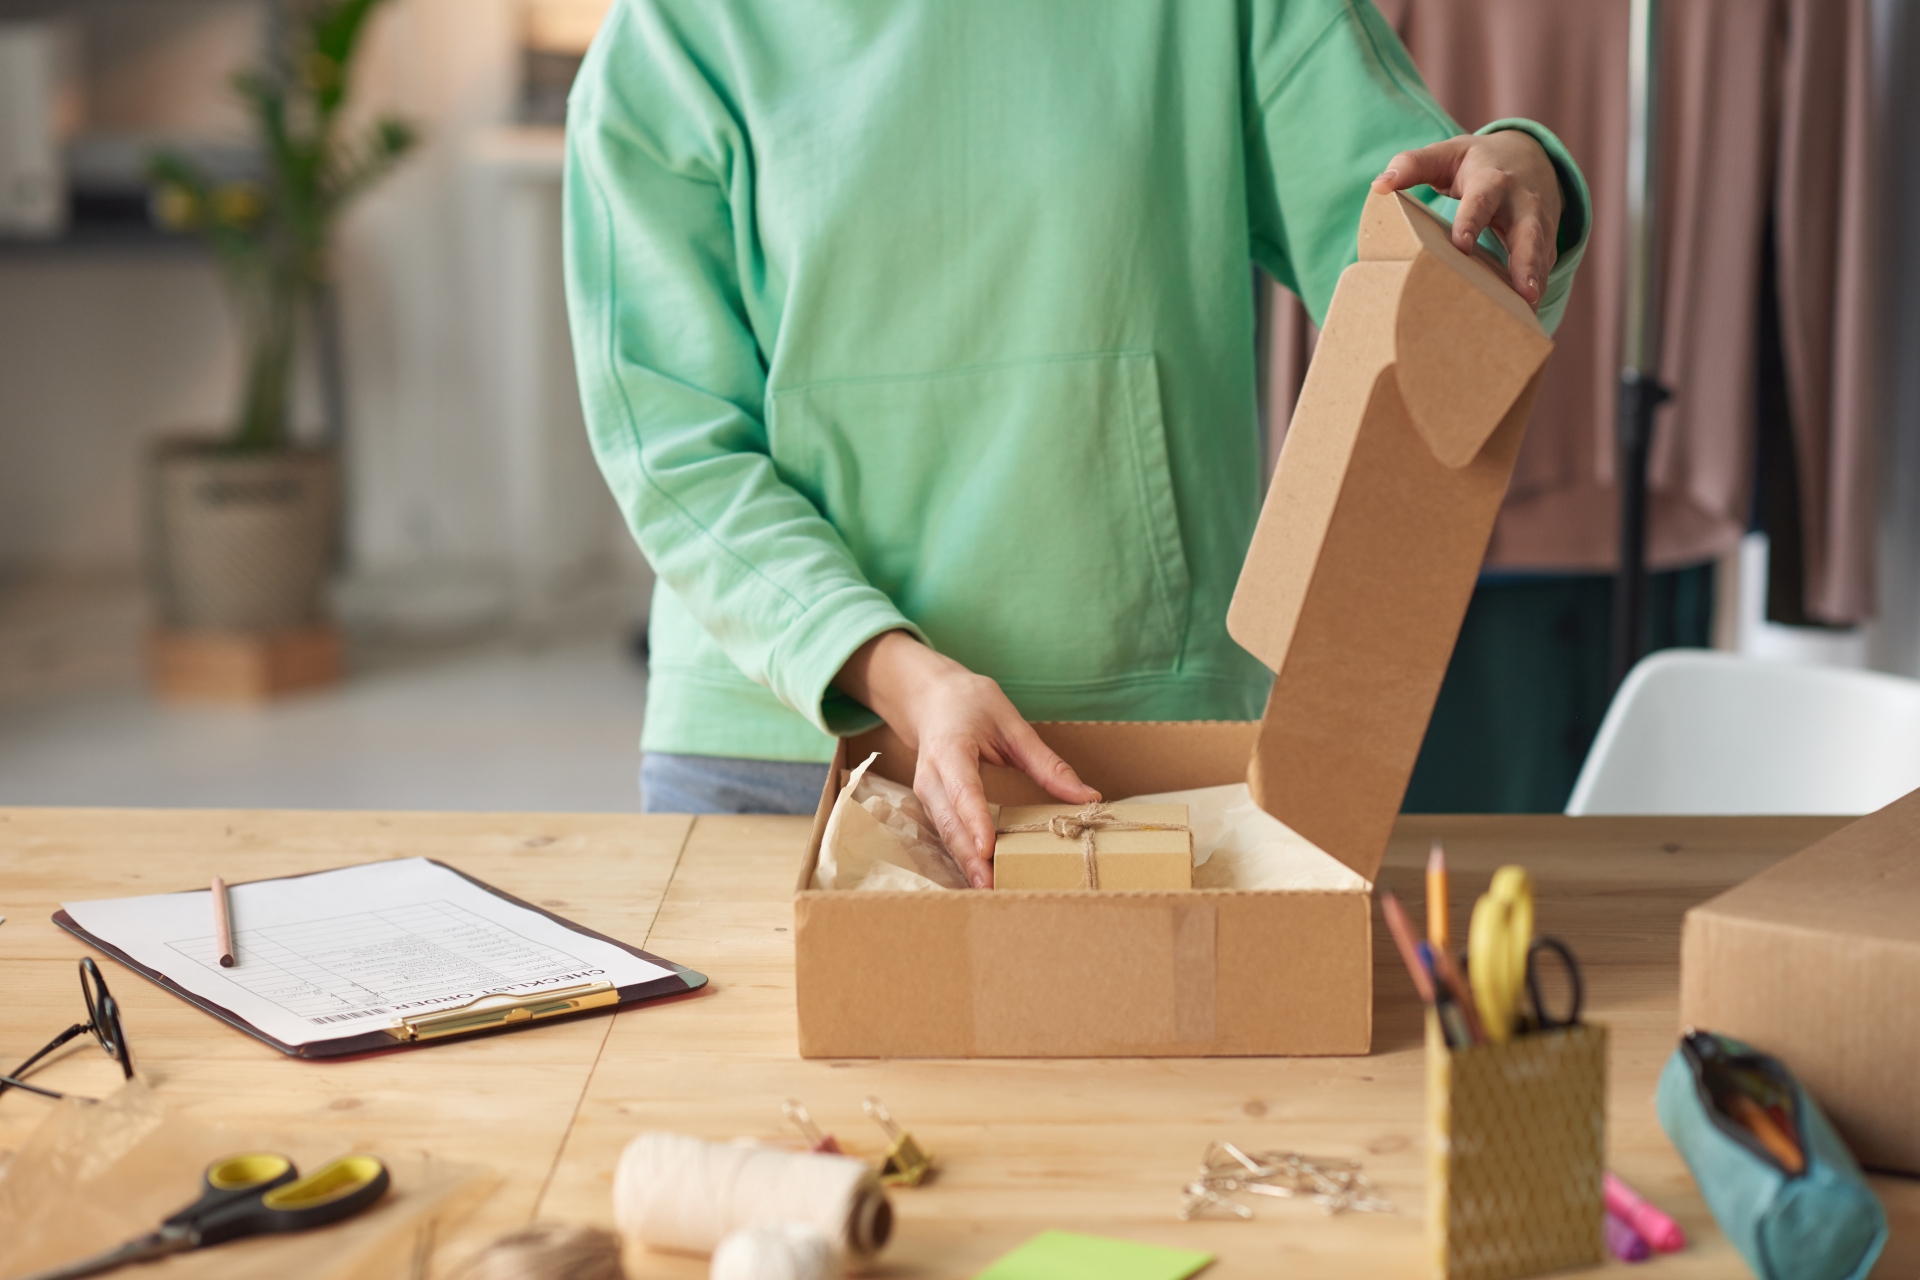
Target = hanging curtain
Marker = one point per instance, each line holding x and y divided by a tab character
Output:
1766	112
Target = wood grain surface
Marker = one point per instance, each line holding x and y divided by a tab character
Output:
505	1101
1022	1146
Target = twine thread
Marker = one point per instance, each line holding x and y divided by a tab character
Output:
676	1192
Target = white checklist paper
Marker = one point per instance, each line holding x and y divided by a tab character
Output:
338	952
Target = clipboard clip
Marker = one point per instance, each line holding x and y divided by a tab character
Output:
481	1013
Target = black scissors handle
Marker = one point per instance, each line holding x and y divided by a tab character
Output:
231	1180
1543	1016
335	1191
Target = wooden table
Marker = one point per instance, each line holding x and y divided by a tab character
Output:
1099	1146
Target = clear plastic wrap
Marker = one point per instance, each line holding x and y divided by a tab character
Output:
93	1175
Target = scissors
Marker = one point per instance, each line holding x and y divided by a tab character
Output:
1543	1018
247	1195
1504	961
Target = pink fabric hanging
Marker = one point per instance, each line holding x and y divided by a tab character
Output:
1765	104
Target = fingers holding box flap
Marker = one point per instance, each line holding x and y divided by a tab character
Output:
1465	345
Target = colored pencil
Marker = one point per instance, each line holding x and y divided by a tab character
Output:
1763	1126
1449	973
222	924
1402	931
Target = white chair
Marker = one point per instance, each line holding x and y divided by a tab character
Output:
1694	731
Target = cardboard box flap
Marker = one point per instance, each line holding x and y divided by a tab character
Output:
1377	520
1465	345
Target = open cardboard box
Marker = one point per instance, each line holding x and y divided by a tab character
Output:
1353	592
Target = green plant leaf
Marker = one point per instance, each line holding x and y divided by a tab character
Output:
273	237
335	31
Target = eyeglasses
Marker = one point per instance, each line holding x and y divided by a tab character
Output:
103	1023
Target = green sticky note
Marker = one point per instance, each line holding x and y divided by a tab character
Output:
1066	1255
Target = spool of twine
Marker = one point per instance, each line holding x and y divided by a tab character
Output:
680	1193
547	1251
773	1251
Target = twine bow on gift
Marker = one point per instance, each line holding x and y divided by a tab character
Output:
1082	825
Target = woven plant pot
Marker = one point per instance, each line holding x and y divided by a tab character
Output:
242	542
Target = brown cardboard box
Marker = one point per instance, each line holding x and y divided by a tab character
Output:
1352	591
1817	961
1123	859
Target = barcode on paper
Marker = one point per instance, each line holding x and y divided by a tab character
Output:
353	1013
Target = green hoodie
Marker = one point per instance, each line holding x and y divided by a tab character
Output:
937	315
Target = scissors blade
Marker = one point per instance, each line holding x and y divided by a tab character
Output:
144	1249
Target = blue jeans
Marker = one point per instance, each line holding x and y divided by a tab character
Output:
724	784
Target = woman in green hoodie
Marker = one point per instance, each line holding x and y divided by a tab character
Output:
916	340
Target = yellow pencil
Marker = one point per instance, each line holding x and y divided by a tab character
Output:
1437	897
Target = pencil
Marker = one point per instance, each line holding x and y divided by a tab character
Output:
1763	1126
1449	973
1437	897
1402	932
222	923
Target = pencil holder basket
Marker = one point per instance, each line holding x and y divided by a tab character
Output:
1516	1153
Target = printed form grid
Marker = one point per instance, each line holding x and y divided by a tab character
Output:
364	965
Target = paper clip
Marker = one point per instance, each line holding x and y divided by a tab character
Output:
1226	1170
906	1164
817	1142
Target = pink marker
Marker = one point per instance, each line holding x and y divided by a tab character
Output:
1653	1226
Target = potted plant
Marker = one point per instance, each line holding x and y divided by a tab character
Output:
244	525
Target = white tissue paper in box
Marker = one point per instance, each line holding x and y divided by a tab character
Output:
1239	845
879	837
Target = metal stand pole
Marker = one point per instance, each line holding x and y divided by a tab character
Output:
1641	392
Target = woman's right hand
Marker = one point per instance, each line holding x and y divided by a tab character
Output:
956	720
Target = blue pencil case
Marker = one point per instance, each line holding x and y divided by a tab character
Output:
1781	1183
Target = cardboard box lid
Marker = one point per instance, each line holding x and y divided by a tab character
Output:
1421	334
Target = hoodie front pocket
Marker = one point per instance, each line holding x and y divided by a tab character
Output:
1021	514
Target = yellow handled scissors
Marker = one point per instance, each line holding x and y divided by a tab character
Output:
247	1195
1498	942
1505	960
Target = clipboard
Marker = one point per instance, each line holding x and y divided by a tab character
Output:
485	1015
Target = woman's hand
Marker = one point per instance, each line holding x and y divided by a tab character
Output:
1502	180
955	720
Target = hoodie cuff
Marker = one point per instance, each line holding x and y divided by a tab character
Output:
1576	218
817	644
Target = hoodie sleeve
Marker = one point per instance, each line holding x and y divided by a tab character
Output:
1331	97
673	377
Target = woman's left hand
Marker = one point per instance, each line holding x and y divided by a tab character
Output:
1502	180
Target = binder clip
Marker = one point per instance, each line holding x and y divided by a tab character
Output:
906	1164
817	1142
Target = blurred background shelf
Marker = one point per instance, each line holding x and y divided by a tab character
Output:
103	227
